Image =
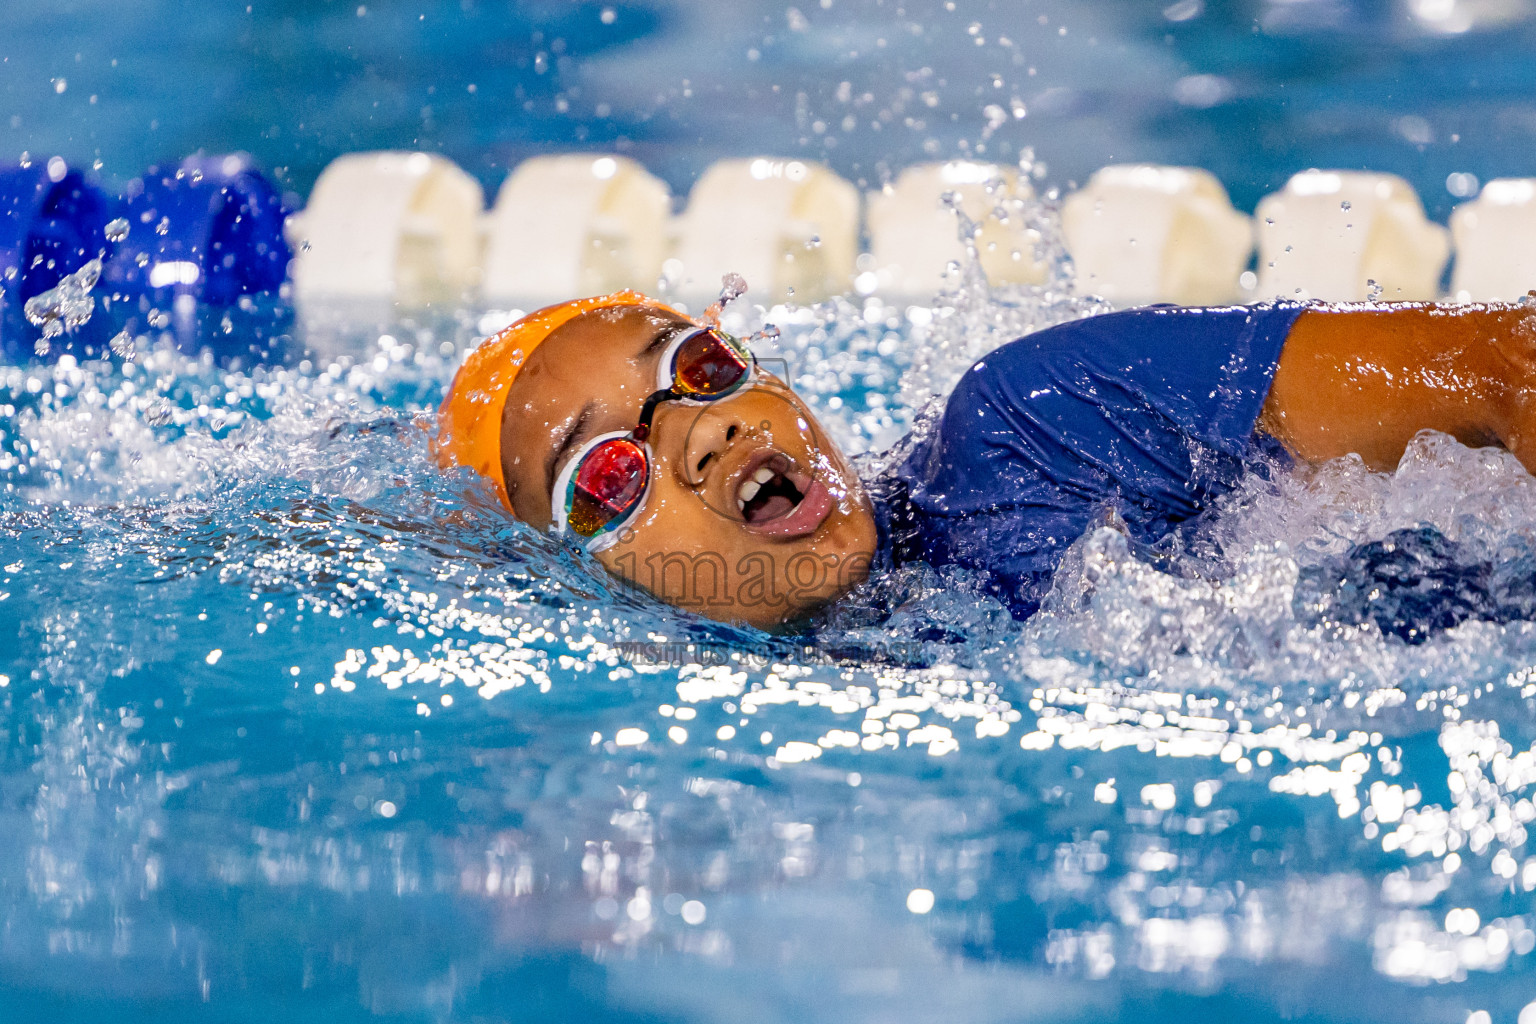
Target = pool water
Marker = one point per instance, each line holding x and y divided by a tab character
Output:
294	725
1252	90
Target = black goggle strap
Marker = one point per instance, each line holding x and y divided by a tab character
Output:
648	412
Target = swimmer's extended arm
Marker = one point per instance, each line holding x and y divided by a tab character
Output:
1367	379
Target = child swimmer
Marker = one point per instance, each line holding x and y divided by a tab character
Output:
688	470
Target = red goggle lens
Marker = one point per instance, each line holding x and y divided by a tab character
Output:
709	364
607	486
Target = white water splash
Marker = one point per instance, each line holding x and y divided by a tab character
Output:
975	316
66	306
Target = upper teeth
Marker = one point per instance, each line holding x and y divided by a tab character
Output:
750	486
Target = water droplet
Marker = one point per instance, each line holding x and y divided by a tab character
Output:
1344	205
122	345
732	287
66	305
158	412
116	230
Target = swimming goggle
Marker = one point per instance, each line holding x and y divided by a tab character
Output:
602	488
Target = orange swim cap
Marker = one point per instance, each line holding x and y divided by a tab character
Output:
469	420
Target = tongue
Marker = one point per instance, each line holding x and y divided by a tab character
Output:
772	508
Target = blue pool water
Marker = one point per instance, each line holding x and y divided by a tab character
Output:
295	728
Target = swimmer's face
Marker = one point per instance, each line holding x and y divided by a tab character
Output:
706	539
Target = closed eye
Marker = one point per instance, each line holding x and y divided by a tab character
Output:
653	353
569	442
664	336
659	340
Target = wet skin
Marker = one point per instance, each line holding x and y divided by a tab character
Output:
1366	379
692	544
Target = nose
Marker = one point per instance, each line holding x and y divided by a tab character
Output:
696	436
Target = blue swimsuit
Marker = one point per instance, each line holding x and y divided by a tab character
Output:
1148	412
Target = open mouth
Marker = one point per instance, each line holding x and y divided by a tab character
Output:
777	499
768	493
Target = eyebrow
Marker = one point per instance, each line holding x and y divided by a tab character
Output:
566	443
